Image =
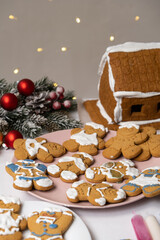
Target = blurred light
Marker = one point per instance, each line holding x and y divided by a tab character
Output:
78	20
74	98
55	84
39	49
50	0
12	17
137	18
16	71
111	38
63	49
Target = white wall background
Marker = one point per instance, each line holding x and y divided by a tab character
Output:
50	24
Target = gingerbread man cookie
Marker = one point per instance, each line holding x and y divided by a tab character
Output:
28	174
148	182
11	223
49	224
37	148
96	194
69	168
112	171
127	142
87	139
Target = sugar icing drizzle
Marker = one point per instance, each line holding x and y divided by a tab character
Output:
85	139
33	150
7	223
96	125
7	199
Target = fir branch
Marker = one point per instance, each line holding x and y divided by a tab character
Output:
44	84
59	120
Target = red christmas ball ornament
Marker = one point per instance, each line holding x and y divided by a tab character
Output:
56	105
67	104
61	96
53	95
11	137
60	90
9	101
25	87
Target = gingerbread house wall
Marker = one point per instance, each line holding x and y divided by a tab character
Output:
136	109
105	94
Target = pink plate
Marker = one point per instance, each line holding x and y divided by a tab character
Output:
58	193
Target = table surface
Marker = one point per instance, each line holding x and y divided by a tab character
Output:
103	224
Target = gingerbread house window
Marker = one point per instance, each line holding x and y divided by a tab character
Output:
137	108
158	107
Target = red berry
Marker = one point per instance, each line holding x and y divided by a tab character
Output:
53	95
59	90
67	104
56	105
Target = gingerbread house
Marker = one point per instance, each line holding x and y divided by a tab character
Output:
129	86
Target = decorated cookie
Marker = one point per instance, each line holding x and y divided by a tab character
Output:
87	139
92	127
11	223
10	203
49	224
96	194
128	142
148	182
69	168
112	171
28	174
37	148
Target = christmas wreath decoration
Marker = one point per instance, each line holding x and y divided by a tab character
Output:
34	108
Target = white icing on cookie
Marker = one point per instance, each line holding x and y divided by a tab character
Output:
86	155
143	180
8	224
72	193
22	183
101	201
68	175
76	184
129	125
33	150
78	162
120	195
89	173
85	139
130	169
96	126
46	219
53	169
45	182
7	199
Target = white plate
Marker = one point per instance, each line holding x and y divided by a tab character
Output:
77	230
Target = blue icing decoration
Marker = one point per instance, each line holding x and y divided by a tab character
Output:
13	167
130	184
42	167
53	225
154	185
31	178
148	175
44	222
51	213
45	229
29	160
43	234
44	225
